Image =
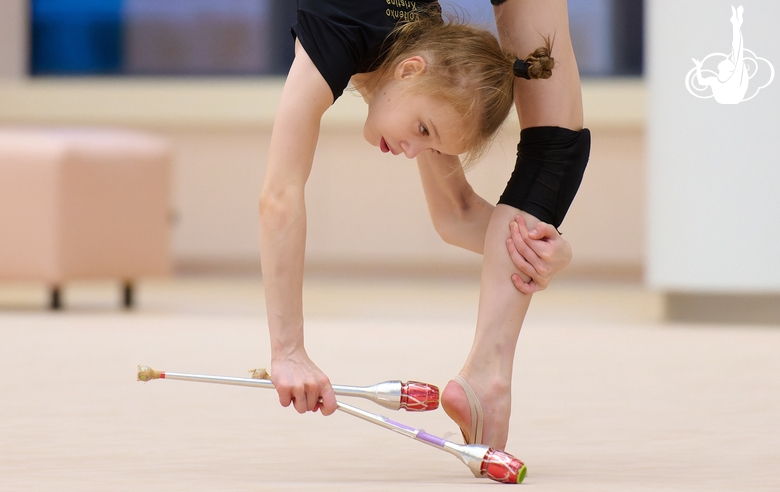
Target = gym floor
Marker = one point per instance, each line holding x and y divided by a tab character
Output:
606	396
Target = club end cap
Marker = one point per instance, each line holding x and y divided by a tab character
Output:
259	373
521	474
146	373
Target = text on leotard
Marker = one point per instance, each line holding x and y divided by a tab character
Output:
408	15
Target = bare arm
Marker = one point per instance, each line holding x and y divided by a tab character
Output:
459	215
305	98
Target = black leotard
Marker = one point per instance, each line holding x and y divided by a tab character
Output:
344	37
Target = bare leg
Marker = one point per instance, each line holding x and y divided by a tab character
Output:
522	25
488	368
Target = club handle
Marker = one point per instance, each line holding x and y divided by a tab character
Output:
413	396
483	461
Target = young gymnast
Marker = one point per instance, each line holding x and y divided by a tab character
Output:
434	91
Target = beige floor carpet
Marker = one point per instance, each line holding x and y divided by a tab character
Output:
606	397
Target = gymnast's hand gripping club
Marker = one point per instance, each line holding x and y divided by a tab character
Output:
395	395
483	461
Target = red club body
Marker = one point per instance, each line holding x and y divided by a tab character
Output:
502	467
419	397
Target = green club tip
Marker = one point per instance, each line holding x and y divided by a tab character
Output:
521	474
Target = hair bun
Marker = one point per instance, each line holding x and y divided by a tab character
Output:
540	63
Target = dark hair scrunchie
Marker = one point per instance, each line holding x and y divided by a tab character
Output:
520	68
497	2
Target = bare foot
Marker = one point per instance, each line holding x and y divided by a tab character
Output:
496	407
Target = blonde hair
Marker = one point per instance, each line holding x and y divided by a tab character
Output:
466	68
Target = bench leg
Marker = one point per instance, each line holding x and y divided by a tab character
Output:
128	294
55	301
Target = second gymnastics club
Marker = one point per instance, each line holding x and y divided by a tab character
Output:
412	396
483	461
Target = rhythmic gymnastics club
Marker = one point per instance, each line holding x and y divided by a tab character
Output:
395	395
483	461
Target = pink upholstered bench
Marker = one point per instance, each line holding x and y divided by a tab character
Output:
83	204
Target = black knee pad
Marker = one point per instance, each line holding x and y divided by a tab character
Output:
550	164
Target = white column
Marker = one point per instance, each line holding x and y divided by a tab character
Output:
714	169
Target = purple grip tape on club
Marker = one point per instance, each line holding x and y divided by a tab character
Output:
421	434
399	424
436	441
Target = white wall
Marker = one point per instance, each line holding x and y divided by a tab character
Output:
714	170
366	209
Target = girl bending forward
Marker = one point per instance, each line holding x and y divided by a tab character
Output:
432	88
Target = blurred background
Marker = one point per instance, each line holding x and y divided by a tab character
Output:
250	37
206	77
133	143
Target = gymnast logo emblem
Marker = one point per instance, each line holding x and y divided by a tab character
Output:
733	82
